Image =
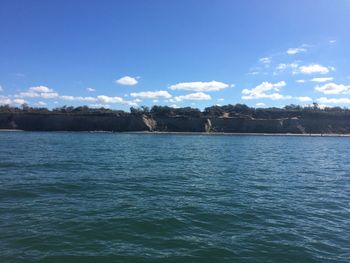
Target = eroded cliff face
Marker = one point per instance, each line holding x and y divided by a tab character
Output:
180	124
328	125
68	122
249	125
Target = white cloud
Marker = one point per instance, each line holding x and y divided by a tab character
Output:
40	103
5	100
301	81
221	99
88	99
333	88
107	99
111	100
315	68
27	94
90	89
260	104
263	91
267	90
293	65
99	105
283	67
38	92
65	97
40	89
322	79
127	81
151	94
100	100
293	51
32	94
332	41
193	96
78	98
303	99
200	86
155	101
20	101
48	95
325	100
266	60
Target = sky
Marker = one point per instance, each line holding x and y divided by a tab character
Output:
198	53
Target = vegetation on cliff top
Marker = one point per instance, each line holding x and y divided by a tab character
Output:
237	110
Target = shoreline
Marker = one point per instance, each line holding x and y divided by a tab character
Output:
244	134
11	130
200	133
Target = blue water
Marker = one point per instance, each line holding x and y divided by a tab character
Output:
93	197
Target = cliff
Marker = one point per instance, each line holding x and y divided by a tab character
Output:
68	122
319	123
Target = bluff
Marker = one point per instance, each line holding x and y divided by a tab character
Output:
305	124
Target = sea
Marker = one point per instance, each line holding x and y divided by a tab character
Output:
136	197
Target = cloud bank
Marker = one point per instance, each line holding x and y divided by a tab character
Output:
200	86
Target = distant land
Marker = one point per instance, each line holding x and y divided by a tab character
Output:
239	118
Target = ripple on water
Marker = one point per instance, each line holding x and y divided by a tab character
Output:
82	197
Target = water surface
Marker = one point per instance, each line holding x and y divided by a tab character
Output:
85	197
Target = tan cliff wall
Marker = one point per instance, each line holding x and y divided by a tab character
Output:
69	122
326	125
66	122
180	124
249	125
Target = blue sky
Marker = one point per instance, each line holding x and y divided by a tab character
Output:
180	53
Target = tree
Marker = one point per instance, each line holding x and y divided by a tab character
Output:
145	109
136	111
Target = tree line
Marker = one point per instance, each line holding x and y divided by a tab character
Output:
237	110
